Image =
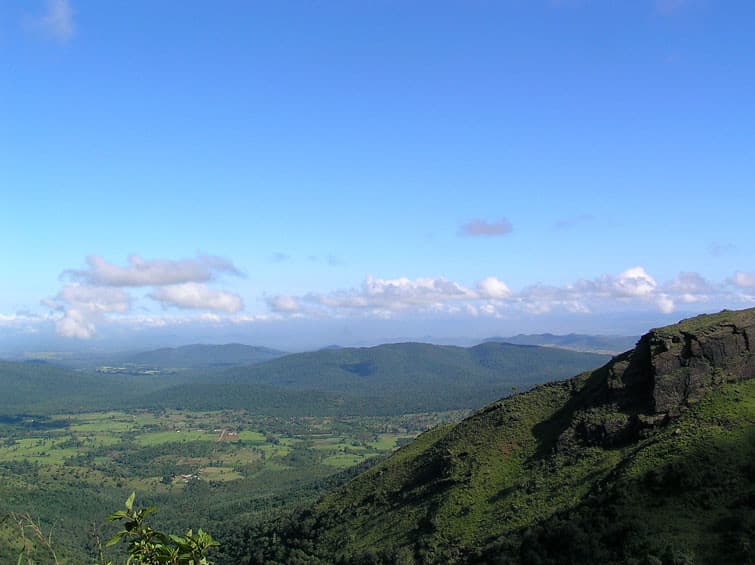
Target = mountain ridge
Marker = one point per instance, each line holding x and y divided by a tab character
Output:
205	355
648	459
612	344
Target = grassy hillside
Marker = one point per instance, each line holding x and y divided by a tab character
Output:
650	459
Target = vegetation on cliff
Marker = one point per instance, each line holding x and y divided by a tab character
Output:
649	459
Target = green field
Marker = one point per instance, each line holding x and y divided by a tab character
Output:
212	469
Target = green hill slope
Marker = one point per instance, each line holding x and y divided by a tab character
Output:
404	377
198	355
649	459
42	388
383	380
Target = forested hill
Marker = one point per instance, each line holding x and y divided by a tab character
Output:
43	388
388	379
649	459
199	355
418	376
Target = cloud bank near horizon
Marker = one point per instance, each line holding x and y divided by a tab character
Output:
97	293
633	289
186	291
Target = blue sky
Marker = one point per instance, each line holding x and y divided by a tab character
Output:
385	168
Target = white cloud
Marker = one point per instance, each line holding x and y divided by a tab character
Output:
743	280
633	289
22	322
98	291
690	288
665	303
491	287
481	228
154	272
199	297
10	319
57	20
634	282
283	303
385	297
84	306
391	295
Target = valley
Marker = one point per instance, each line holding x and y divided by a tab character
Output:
223	445
191	464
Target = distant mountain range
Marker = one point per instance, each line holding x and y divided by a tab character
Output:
648	459
387	379
184	357
612	344
195	356
417	376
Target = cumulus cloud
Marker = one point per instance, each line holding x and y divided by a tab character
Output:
198	297
690	287
491	287
632	288
394	294
384	297
481	228
152	272
57	20
84	306
634	282
97	291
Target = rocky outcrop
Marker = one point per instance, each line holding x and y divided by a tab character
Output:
679	363
687	364
669	369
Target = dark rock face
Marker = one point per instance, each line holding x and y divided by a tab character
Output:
669	369
672	367
687	364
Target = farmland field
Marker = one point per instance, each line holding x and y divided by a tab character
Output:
200	468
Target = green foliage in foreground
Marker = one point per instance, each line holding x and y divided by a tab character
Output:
147	546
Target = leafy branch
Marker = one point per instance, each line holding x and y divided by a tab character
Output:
147	546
